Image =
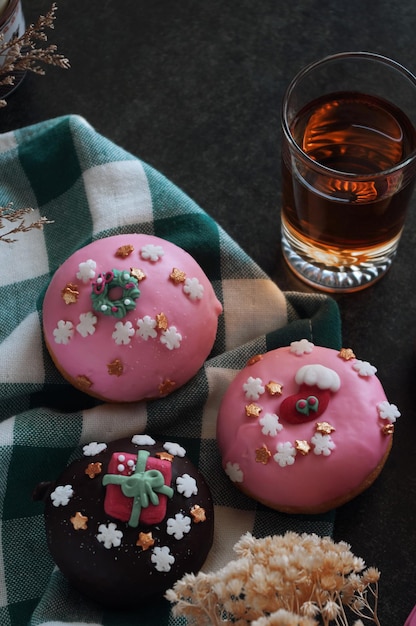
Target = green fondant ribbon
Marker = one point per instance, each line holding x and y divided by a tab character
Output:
143	486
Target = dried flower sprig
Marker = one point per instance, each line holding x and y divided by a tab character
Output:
9	215
24	54
289	580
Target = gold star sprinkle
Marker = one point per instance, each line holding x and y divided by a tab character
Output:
145	541
70	293
124	251
253	410
274	388
255	359
83	382
263	455
137	273
387	429
79	521
198	514
346	354
324	428
166	387
165	456
115	368
302	446
93	469
177	276
161	321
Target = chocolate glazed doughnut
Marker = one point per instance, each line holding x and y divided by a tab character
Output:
128	519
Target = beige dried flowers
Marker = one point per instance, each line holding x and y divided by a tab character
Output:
27	54
7	214
289	580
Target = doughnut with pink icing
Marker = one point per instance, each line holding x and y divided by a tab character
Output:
130	317
304	429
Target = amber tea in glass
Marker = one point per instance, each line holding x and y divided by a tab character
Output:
349	167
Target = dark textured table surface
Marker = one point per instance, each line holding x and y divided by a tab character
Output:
194	89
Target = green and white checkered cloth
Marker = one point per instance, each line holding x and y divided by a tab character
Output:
92	188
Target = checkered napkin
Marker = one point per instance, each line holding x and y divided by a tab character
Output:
91	188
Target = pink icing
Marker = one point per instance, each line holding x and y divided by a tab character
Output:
411	620
87	345
349	453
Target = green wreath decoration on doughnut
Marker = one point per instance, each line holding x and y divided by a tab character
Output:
101	301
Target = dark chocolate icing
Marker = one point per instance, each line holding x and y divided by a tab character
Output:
124	575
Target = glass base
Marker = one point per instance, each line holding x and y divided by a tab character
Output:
334	278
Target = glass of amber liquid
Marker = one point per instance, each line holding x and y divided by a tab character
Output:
348	168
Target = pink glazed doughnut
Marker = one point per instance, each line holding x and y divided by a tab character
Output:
304	429
130	317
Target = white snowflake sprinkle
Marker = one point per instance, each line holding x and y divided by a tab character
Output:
285	454
87	322
63	332
143	440
109	535
146	328
253	388
174	448
62	495
123	333
150	252
171	338
162	559
86	270
388	411
271	425
193	288
364	368
301	347
178	526
93	448
234	472
323	444
186	485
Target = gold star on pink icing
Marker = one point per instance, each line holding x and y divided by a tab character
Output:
387	429
93	469
263	455
346	354
253	410
177	276
70	293
302	446
79	521
165	456
166	387
124	251
115	368
255	359
325	428
161	321
137	273
83	382
274	388
198	514
145	541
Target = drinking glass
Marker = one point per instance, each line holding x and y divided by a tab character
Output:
348	168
